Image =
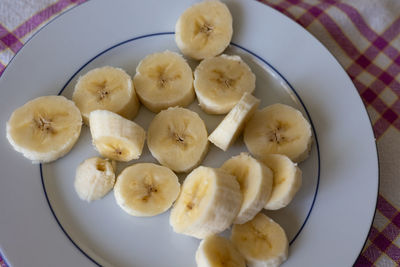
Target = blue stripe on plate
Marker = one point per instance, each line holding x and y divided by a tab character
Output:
233	44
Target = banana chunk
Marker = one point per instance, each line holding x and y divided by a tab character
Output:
217	251
278	129
177	138
204	30
287	180
261	241
232	125
94	178
45	128
115	137
255	180
146	189
164	80
209	201
220	82
106	88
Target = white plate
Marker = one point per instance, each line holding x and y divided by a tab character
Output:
42	221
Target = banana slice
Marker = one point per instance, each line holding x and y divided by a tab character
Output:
45	128
278	129
94	178
217	251
209	201
106	88
164	80
232	125
261	241
177	138
146	189
204	30
220	82
287	180
255	180
116	137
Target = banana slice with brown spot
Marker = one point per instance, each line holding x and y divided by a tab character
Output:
286	183
177	138
164	80
217	251
146	189
115	137
94	178
45	128
220	83
278	129
232	125
106	88
261	241
204	29
209	201
255	180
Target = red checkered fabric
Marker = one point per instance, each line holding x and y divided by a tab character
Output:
374	68
365	38
2	263
12	39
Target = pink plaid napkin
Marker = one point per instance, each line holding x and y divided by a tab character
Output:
365	38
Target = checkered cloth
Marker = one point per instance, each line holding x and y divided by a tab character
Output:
365	38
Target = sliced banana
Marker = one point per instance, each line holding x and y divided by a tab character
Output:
217	251
204	29
232	125
255	180
220	82
94	178
146	189
177	138
278	129
45	128
107	88
164	80
287	180
209	201
116	137
261	241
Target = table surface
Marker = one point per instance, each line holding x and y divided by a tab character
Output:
364	38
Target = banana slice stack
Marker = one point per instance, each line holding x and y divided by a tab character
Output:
287	178
255	180
210	200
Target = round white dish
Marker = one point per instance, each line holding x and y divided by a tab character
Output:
42	221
